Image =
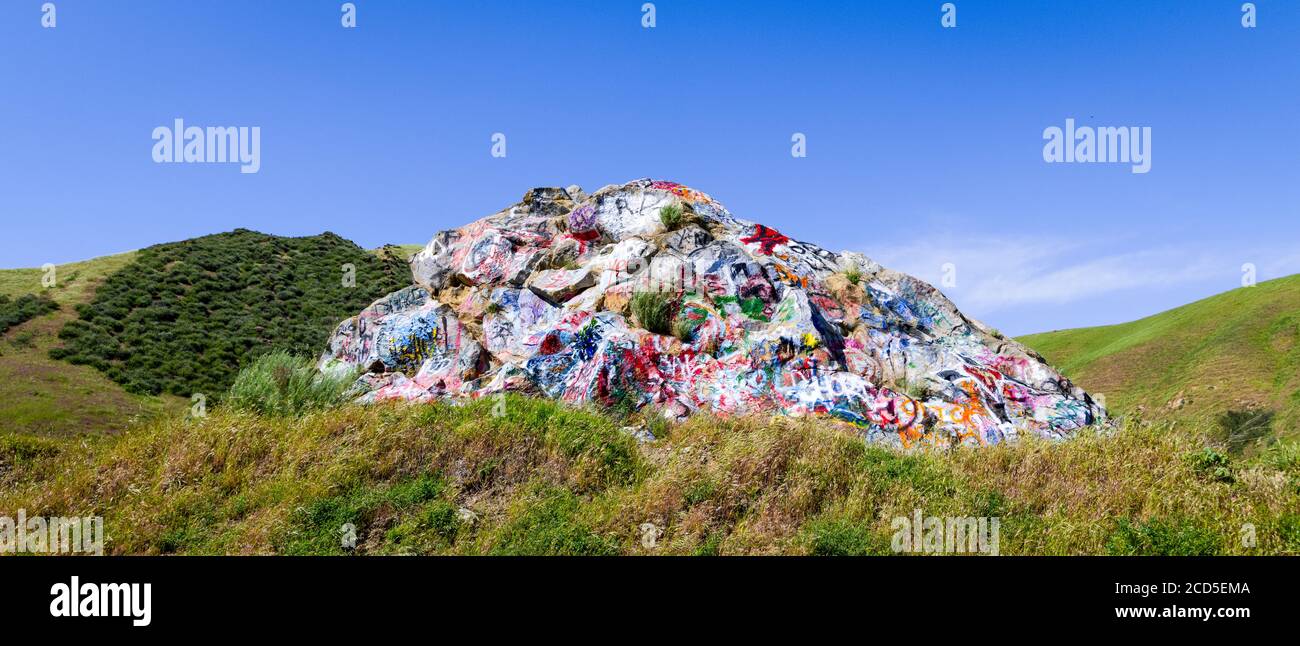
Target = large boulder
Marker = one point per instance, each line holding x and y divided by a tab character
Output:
539	298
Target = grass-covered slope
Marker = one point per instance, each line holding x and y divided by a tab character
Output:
73	282
43	396
40	395
1239	350
183	317
524	476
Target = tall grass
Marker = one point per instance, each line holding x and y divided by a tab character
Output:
282	385
654	311
537	477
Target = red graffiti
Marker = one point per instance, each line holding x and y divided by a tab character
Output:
551	344
766	238
585	236
986	376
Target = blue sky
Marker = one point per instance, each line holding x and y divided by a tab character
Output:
924	143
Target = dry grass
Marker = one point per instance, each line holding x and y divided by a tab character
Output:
547	479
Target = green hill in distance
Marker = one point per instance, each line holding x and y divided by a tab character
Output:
183	317
1236	351
41	395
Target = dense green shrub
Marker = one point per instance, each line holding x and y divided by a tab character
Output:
284	385
14	312
185	316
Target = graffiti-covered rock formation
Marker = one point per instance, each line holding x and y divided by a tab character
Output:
653	294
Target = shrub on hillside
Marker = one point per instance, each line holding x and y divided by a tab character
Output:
16	311
1211	465
283	385
185	316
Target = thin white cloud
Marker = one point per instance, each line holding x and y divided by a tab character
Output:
1091	278
995	273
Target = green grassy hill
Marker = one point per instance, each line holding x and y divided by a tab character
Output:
184	317
40	395
43	396
402	251
1237	351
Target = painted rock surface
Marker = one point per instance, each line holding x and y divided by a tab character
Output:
547	297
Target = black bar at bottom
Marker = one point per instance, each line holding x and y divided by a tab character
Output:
541	595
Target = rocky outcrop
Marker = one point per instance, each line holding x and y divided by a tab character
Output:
552	296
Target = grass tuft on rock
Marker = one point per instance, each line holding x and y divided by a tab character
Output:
654	311
853	275
672	217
